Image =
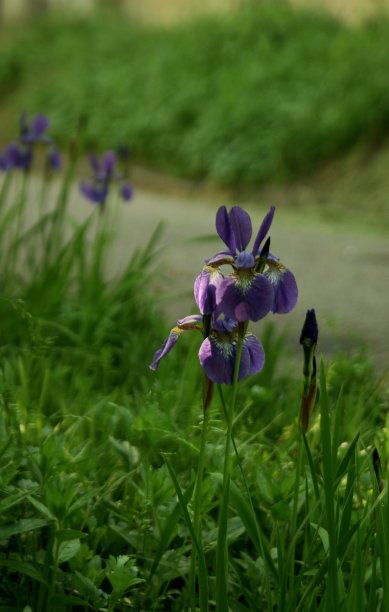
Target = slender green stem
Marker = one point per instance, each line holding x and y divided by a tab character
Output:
197	523
257	529
222	548
290	586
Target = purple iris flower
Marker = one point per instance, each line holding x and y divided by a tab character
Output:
217	353
104	173
259	283
20	154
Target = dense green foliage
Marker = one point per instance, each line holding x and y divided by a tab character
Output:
99	455
268	93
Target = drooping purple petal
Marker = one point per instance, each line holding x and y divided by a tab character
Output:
39	125
54	159
19	156
94	192
240	223
224	229
285	288
126	192
263	230
245	298
165	348
217	356
205	289
253	348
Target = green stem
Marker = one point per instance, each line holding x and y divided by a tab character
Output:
222	548
290	587
197	506
258	531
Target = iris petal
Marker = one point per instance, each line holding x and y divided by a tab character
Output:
263	230
205	289
285	289
248	299
241	226
218	355
224	228
165	348
217	359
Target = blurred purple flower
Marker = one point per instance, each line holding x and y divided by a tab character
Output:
217	353
54	159
104	173
36	130
20	154
3	161
258	284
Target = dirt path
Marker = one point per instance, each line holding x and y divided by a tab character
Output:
344	275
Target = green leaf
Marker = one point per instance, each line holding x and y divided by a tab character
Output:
62	535
203	574
67	550
22	526
24	567
169	528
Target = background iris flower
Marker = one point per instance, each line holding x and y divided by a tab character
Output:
20	154
104	173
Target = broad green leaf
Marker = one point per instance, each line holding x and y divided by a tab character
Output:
67	550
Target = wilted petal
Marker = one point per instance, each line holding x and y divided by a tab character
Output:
241	226
190	322
284	286
224	228
205	289
263	230
246	297
165	348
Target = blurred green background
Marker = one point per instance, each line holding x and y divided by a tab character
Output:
235	94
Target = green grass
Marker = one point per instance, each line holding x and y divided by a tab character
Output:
99	455
267	94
